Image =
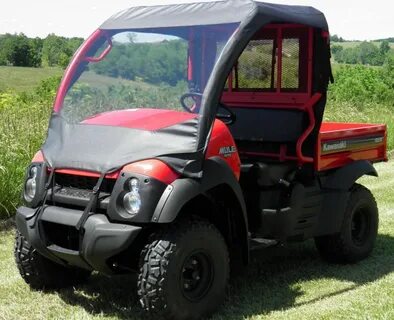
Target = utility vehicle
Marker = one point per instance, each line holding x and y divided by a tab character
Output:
182	138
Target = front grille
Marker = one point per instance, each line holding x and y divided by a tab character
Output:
83	183
61	235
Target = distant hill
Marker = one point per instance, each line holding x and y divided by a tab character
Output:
391	39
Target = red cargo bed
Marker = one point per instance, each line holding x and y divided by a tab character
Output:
341	143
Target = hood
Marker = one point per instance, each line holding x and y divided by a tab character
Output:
110	140
143	119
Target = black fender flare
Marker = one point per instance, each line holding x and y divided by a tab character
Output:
216	172
344	178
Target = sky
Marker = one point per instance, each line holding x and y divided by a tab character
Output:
351	19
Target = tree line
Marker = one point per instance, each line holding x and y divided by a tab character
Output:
155	63
366	53
21	51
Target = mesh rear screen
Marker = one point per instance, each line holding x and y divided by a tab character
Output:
290	63
257	67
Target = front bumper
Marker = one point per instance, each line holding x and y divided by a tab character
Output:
100	241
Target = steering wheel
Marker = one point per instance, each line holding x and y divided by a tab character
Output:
226	118
195	96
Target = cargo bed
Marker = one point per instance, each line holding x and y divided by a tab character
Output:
341	143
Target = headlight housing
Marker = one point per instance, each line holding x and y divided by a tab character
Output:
31	184
132	199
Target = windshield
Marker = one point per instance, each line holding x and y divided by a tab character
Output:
163	68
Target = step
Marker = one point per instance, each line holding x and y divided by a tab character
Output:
261	243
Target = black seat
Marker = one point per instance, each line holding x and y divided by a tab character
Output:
267	124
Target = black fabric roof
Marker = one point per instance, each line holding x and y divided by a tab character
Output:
215	12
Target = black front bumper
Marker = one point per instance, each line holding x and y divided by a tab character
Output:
100	241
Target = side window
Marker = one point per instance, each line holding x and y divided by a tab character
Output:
275	60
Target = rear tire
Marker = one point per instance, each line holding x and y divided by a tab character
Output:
184	271
358	233
41	273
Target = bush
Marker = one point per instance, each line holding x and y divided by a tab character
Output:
23	124
362	85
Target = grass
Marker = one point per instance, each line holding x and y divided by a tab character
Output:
348	112
23	79
102	82
286	283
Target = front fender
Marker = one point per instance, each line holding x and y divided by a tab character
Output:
215	172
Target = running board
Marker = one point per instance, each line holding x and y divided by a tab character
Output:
261	243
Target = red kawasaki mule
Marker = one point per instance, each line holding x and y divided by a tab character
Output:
185	136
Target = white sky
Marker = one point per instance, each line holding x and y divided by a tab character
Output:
351	19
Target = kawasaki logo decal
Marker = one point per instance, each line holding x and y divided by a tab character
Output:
334	146
351	144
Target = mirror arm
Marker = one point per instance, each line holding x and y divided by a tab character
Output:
103	54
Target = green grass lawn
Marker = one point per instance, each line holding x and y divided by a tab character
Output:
287	283
24	79
348	112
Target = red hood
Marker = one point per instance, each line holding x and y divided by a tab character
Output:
144	119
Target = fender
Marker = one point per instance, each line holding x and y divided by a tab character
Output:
215	172
345	177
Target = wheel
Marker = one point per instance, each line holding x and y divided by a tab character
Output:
41	273
184	271
358	233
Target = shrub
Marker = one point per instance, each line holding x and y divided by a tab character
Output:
362	85
23	123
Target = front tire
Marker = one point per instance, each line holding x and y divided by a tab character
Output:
184	271
41	273
358	233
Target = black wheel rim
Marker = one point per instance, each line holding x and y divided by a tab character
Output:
361	226
197	275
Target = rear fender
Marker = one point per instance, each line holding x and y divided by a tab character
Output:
336	187
345	177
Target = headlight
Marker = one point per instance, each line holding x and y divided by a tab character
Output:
132	199
31	185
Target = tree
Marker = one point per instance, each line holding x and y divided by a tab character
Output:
384	47
335	49
6	49
35	52
57	51
52	49
336	38
19	50
369	54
